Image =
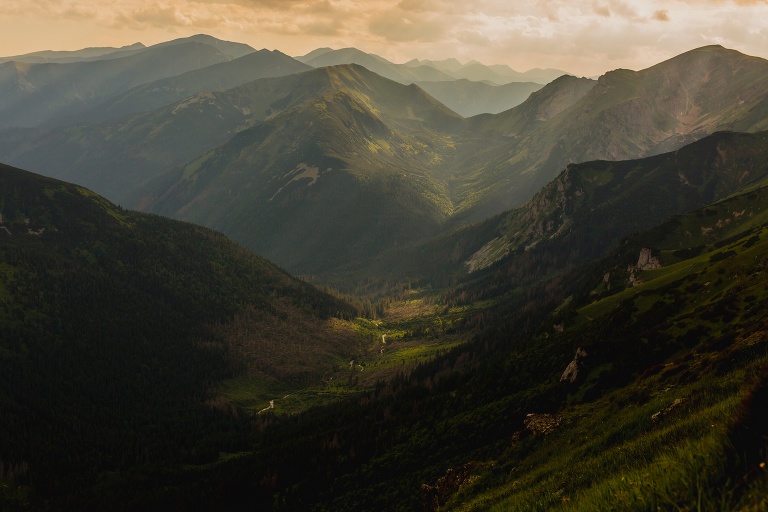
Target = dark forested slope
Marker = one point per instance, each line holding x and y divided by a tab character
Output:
115	325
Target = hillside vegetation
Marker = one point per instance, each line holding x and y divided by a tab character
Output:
116	325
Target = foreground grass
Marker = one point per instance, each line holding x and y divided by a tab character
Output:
611	454
701	452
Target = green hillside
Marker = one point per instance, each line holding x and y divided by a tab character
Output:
116	326
354	170
665	411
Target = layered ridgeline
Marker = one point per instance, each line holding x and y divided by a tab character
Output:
67	56
468	89
118	158
357	168
586	210
406	75
627	114
33	94
116	326
470	98
216	77
420	70
422	169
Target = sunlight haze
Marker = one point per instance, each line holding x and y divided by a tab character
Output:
584	38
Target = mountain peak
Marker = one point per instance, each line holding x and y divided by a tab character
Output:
231	49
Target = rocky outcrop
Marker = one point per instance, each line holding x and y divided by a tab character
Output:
435	496
541	423
575	369
647	261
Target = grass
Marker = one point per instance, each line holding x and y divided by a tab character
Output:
413	330
610	454
254	395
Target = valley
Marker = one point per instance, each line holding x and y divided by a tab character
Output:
241	280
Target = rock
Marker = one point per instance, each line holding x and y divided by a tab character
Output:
435	496
647	261
575	368
541	423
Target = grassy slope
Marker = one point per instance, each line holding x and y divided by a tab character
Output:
351	171
693	330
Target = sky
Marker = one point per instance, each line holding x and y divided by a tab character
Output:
585	38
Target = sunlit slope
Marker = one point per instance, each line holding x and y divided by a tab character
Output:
627	114
356	169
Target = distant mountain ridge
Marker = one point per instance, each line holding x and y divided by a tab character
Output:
32	94
62	57
216	77
497	73
376	164
379	65
469	98
627	114
467	89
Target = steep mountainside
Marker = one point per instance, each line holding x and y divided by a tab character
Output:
356	169
116	325
31	94
628	115
589	207
574	392
580	215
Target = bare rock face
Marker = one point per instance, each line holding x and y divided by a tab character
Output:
647	261
541	423
575	369
435	496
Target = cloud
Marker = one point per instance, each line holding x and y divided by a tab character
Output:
586	37
404	27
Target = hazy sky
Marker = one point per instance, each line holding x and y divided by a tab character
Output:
585	37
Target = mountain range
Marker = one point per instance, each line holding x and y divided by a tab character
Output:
574	282
259	159
35	93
